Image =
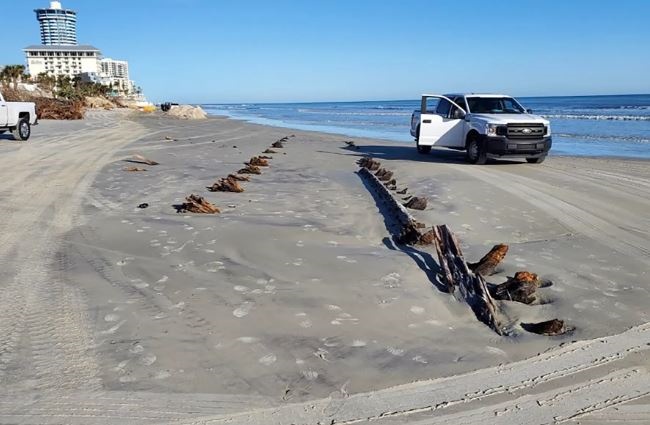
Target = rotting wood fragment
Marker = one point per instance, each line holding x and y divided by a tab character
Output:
416	203
488	264
239	178
369	163
549	328
228	184
197	204
250	169
520	288
142	159
258	162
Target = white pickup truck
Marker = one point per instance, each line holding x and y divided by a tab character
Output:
17	117
483	125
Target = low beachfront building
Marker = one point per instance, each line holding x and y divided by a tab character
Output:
117	71
62	60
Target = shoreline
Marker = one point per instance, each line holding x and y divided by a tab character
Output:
296	291
306	127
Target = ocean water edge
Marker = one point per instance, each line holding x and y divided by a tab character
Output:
600	126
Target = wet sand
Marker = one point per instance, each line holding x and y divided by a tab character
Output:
296	292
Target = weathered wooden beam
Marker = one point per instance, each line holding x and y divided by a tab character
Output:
410	232
461	281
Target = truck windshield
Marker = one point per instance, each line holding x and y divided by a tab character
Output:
494	105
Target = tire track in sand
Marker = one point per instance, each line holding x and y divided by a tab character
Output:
547	199
43	316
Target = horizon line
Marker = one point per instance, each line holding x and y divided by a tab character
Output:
403	100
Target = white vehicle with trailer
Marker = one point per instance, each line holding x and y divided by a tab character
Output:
483	125
17	117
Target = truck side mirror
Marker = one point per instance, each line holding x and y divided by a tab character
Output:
458	114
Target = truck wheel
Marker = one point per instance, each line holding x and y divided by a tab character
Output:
537	160
423	149
475	152
23	130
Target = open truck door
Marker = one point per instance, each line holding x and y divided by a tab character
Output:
441	123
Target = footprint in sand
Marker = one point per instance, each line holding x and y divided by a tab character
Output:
268	360
395	351
136	349
243	310
332	307
420	359
148	359
391	280
240	288
126	379
305	324
494	350
138	283
215	266
125	261
163	374
359	343
113	329
111	318
417	310
247	339
310	375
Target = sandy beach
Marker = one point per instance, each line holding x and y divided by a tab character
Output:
294	305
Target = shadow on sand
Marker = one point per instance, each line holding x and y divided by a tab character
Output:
424	260
409	153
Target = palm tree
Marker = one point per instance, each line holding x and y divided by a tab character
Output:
13	73
46	81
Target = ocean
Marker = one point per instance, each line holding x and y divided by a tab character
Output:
581	125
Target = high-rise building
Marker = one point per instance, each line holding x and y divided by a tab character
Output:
58	25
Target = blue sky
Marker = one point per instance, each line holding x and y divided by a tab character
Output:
307	50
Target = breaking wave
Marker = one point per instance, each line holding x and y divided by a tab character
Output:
598	117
